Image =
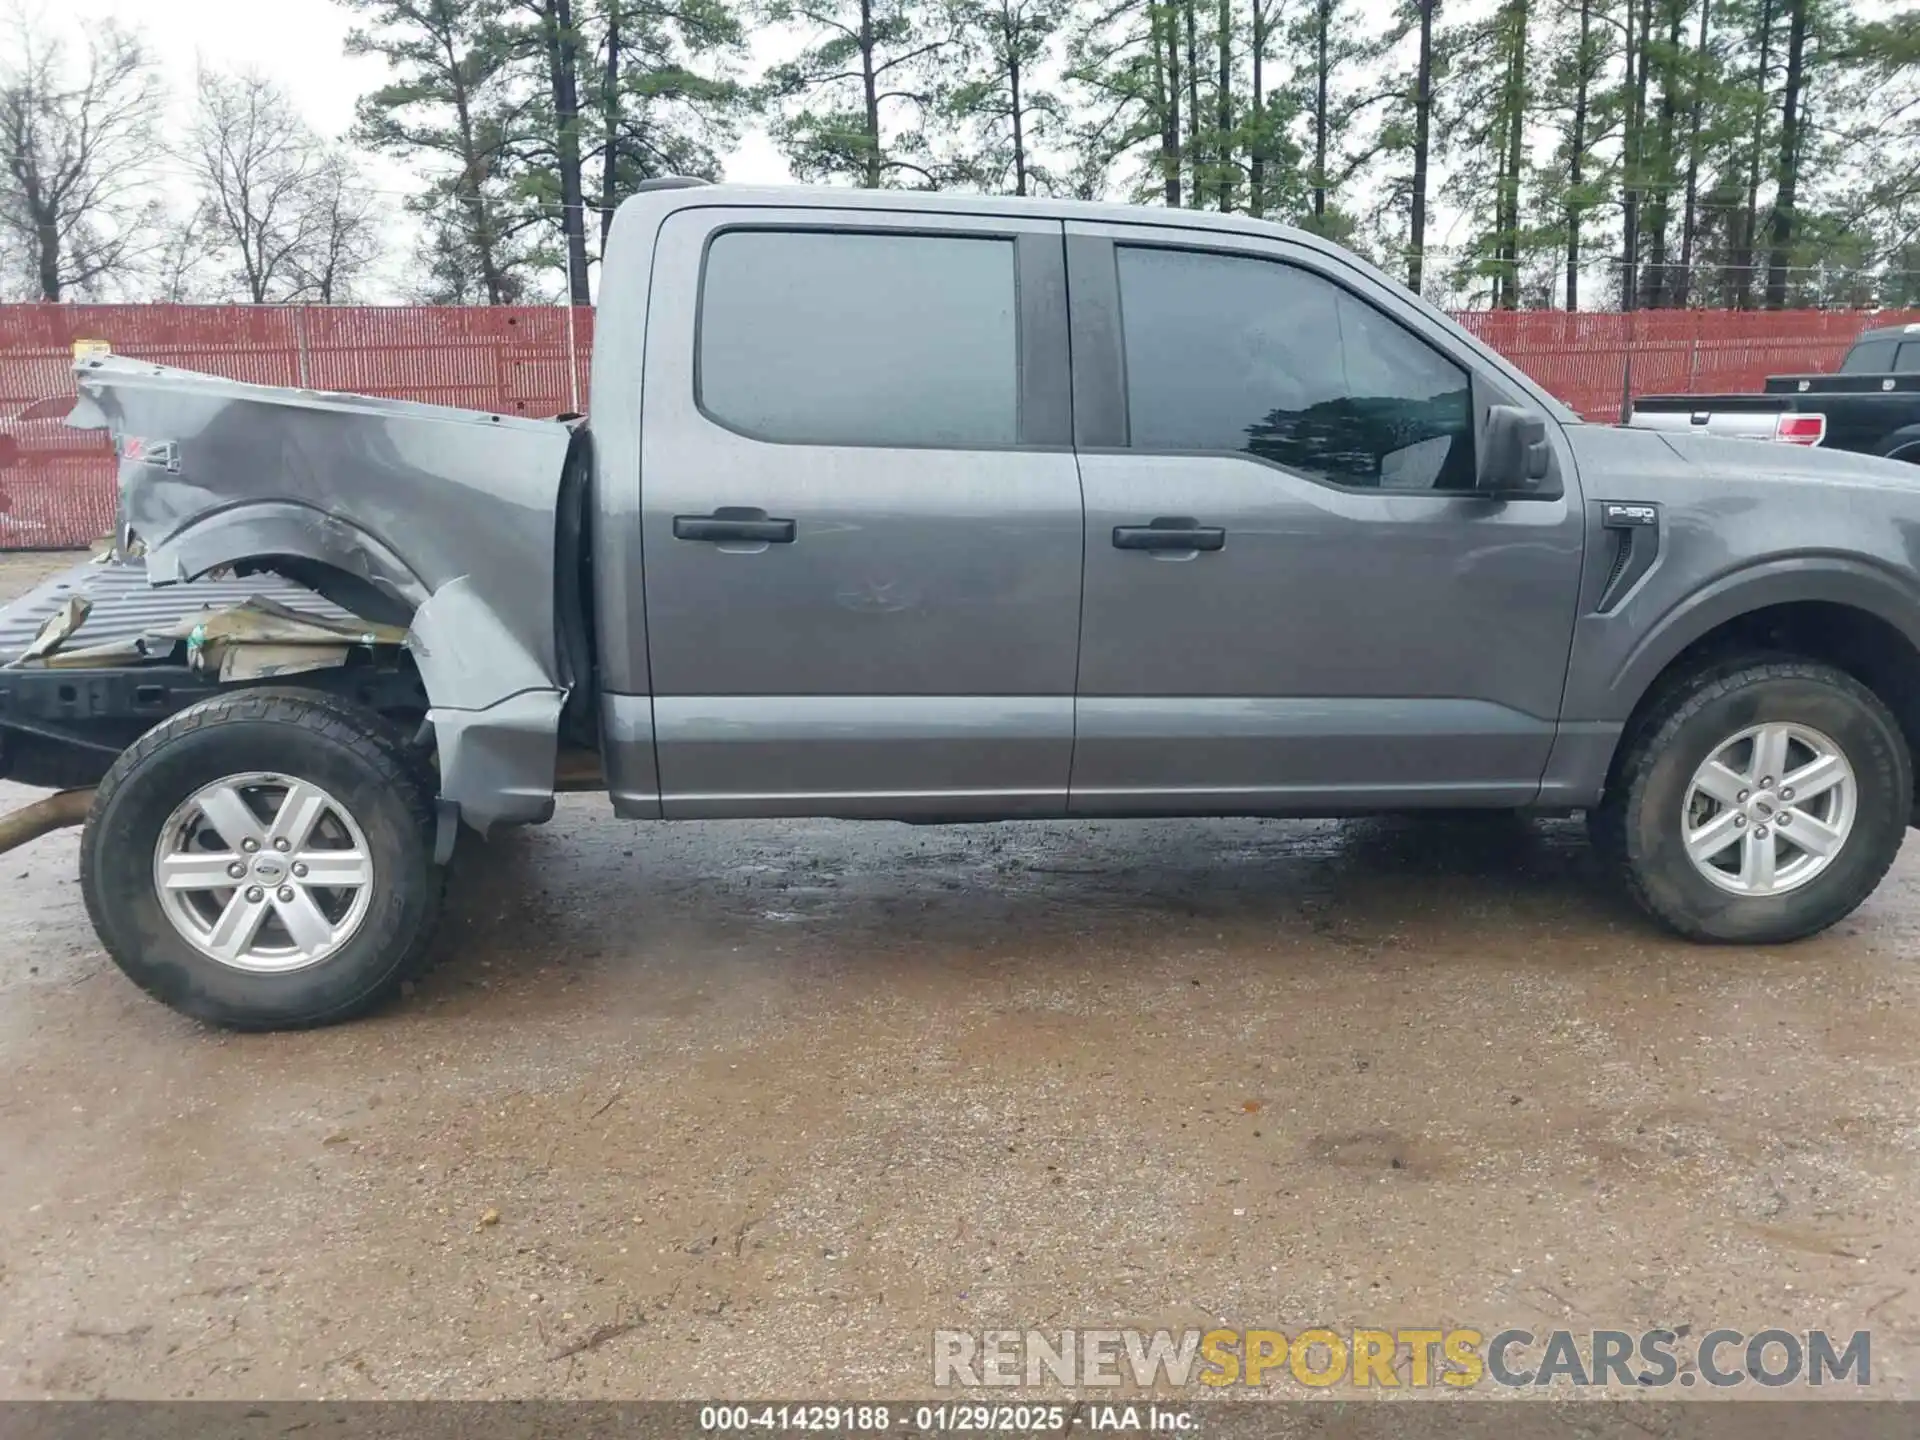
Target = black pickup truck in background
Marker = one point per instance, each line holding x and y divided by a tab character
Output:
1871	405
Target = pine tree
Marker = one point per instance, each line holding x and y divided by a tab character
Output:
663	98
857	102
1573	187
1415	140
1701	77
1786	180
1666	64
1754	101
452	105
550	39
1338	84
1488	119
1265	123
1006	115
1123	62
1879	137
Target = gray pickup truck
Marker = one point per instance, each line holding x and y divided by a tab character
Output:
936	509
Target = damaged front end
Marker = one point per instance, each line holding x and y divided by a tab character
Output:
423	516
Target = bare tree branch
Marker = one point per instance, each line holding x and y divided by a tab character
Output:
284	215
75	158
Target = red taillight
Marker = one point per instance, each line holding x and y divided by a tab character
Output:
1800	429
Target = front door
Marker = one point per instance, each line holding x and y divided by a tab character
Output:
861	515
1294	600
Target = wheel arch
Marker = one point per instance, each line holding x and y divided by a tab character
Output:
495	708
1853	616
310	546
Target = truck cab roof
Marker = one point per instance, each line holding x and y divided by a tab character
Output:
680	196
1890	332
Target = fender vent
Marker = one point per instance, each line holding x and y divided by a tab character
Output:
1622	553
1635	527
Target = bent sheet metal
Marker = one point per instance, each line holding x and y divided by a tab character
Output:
423	516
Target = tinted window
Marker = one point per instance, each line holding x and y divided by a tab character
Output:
1228	353
1873	357
860	339
1908	360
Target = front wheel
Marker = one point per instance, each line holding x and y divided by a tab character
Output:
264	860
1762	801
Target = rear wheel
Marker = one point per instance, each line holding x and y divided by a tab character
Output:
1760	801
265	861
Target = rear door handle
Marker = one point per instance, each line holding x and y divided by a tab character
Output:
1169	532
734	523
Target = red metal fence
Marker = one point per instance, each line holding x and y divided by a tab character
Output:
56	485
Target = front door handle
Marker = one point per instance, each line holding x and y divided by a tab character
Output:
1169	532
734	523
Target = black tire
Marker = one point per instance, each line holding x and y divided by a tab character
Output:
349	752
1638	827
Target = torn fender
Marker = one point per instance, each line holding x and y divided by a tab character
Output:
424	515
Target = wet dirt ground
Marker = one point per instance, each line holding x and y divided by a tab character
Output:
751	1109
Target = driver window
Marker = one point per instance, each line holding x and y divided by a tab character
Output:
1228	352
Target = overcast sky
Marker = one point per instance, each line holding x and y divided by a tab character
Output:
302	45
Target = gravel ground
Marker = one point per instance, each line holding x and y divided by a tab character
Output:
722	1109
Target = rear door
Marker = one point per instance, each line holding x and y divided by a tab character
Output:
861	514
1294	597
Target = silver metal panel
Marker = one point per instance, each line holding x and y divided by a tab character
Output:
1576	773
497	763
1744	526
616	408
1242	754
626	748
1324	596
1730	424
943	574
903	757
443	518
1360	608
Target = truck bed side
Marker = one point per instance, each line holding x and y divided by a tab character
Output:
439	519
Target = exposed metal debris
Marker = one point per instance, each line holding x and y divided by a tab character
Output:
59	628
321	488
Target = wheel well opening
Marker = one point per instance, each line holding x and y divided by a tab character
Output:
1862	644
390	685
343	587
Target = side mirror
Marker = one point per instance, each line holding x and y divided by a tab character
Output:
1514	454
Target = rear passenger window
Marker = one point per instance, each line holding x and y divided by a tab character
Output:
1875	357
1907	362
1231	353
851	339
